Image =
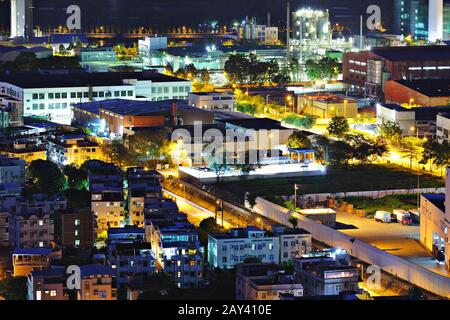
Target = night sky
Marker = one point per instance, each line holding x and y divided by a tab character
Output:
164	13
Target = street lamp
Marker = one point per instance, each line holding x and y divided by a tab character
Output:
295	196
418	168
184	190
345	107
411	100
260	222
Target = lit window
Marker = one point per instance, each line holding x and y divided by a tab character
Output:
53	293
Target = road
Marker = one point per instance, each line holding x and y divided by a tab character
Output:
194	212
200	206
402	241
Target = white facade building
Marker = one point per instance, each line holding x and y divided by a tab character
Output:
21	18
211	100
225	250
443	127
260	33
51	95
434	222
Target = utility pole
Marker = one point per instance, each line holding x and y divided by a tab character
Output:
360	32
288	28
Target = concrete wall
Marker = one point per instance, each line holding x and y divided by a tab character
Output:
320	197
394	265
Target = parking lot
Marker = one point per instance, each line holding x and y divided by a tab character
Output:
402	241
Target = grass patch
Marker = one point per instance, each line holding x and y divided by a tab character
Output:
361	178
387	203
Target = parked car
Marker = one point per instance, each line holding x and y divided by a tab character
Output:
383	216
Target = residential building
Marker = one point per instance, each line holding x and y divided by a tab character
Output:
176	245
4	228
142	184
12	110
97	283
326	273
212	100
73	149
434	222
130	256
12	170
272	288
26	260
368	70
245	272
294	242
423	119
424	93
75	228
51	95
327	105
225	250
24	150
31	222
107	200
47	285
443	127
28	230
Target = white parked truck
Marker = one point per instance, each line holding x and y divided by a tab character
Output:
402	217
383	216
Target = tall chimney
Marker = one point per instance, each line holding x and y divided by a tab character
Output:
435	20
268	19
175	113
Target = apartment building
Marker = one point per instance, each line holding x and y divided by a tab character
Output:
294	242
26	260
142	184
225	250
129	255
73	149
107	199
97	283
75	228
47	285
326	273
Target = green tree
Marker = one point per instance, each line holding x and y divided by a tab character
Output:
236	68
298	140
412	147
338	126
294	221
205	76
47	177
14	288
76	177
391	131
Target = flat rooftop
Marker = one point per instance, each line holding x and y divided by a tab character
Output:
36	80
438	200
135	107
429	87
421	113
414	53
256	123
